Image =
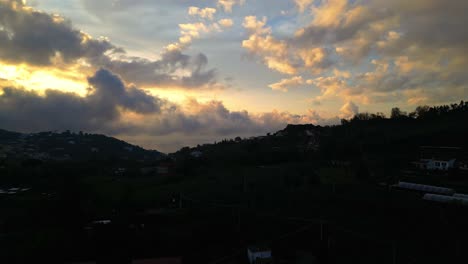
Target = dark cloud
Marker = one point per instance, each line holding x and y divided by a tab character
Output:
101	110
423	25
37	38
26	110
400	51
109	91
165	71
433	23
104	108
33	37
213	118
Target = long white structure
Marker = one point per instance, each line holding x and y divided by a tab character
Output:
445	199
425	188
461	195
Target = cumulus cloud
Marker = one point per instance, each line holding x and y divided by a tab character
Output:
26	110
207	12
36	38
329	86
226	22
419	46
261	43
282	55
389	49
191	31
117	109
349	110
227	5
32	37
285	84
302	5
214	118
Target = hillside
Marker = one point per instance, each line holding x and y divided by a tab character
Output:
69	146
289	189
371	142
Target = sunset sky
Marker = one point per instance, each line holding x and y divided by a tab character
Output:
165	74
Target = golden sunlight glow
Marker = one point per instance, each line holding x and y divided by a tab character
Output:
179	96
57	18
42	79
231	99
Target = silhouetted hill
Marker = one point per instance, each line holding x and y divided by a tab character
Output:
373	139
69	146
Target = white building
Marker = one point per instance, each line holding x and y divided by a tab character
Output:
259	255
94	150
463	165
196	154
438	158
102	222
437	164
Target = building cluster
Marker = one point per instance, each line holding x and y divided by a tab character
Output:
55	146
33	146
441	159
165	168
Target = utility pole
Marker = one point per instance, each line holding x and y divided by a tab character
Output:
244	182
180	200
238	219
321	231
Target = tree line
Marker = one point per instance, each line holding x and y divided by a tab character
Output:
421	112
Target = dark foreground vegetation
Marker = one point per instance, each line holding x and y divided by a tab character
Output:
311	194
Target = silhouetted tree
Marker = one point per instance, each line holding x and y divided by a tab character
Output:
396	113
422	111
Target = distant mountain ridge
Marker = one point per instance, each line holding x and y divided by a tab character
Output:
69	146
364	133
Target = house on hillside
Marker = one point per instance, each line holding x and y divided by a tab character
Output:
166	168
463	165
437	158
120	171
196	154
440	164
163	169
94	150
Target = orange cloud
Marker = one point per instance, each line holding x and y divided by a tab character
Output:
284	84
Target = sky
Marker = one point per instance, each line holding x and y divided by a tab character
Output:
172	73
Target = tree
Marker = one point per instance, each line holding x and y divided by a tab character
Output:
422	111
397	113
